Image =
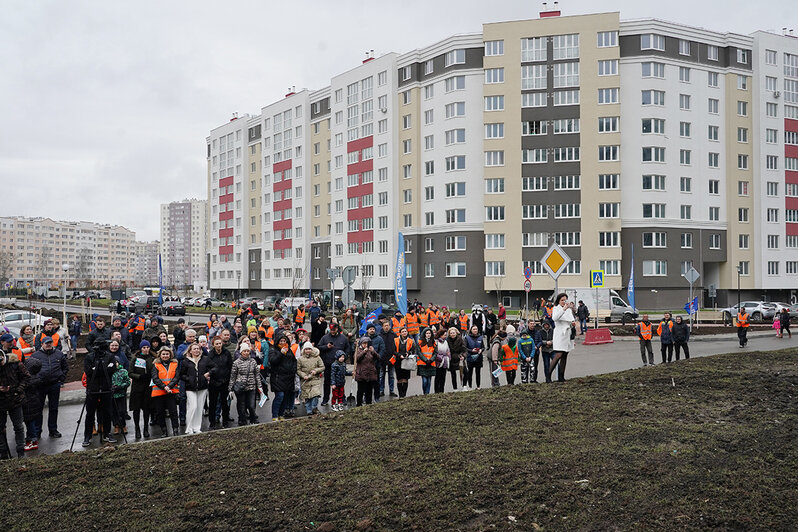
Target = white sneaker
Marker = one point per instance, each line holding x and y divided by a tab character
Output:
465	388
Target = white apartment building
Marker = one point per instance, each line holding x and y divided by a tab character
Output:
184	231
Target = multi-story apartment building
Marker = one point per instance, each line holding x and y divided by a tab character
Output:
184	231
147	263
669	143
37	249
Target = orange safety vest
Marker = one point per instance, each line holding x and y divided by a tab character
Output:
17	351
25	345
55	338
397	325
300	316
408	348
659	327
645	330
268	333
427	356
167	375
463	322
434	317
294	348
209	324
509	360
547	311
412	322
742	320
423	318
139	325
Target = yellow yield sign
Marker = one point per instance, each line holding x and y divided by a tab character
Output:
555	260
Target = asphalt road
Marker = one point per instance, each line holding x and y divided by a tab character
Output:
584	360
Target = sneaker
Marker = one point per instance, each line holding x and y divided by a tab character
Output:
275	419
465	388
86	443
315	411
325	403
29	446
55	434
109	439
392	394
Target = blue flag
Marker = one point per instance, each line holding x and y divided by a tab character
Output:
160	281
692	306
370	318
630	290
400	287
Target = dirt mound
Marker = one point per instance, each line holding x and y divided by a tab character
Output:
708	443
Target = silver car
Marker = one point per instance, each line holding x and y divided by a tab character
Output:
792	309
18	318
759	311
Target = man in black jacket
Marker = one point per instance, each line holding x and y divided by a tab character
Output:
328	345
99	366
13	379
100	336
220	364
51	377
388	337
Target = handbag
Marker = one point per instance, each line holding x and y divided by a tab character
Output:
238	387
409	363
573	332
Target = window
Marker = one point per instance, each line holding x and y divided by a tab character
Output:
454	83
773	266
773	215
742	267
714	187
609	239
742	215
608	181
494	214
684	47
655	268
537	127
568	238
684	102
791	266
455	243
494	47
533	77
685	184
608	153
742	82
495	75
568	97
608	67
770	57
455	269
566	75
566	182
428	67
494	268
652	41
429	218
382	78
742	108
743	56
608	96
791	215
565	154
407	120
495	158
534	240
609	210
455	162
653	70
712	52
684	74
653	182
406	97
653	125
653	154
429	270
494	185
454	57
566	46
454	136
455	189
770	83
607	39
649	97
772	137
772	162
712	79
713	132
655	240
533	184
790	189
653	210
742	135
773	189
567	210
494	131
742	162
407	146
534	99
712	106
429	193
685	157
791	163
713	159
608	124
686	212
772	109
533	49
455	109
534	212
407	171
494	241
686	240
407	220
684	129
429	167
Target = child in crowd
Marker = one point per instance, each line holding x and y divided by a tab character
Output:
120	382
338	379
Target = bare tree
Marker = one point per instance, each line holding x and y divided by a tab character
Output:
296	282
83	267
6	265
42	267
498	282
365	285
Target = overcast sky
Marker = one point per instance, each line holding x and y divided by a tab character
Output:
105	106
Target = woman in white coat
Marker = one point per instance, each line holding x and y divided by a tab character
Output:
562	342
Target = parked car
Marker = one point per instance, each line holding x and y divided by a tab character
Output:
757	310
792	309
18	318
173	308
144	304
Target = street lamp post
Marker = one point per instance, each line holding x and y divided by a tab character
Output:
65	267
739	271
238	295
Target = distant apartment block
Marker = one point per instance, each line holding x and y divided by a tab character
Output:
182	245
147	263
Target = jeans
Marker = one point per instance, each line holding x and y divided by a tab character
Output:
74	345
645	346
245	404
281	402
546	364
682	345
494	381
218	405
98	404
195	401
666	349
15	413
426	381
583	325
311	404
365	389
386	369
51	392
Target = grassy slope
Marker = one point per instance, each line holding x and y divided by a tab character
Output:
716	451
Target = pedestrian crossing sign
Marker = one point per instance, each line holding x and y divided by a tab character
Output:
596	278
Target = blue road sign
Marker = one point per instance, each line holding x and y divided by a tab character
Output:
596	278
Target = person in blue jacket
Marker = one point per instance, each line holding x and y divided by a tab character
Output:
527	356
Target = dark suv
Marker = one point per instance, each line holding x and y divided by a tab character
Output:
144	304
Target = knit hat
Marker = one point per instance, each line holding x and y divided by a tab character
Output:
202	338
365	340
307	345
144	343
371	326
251	329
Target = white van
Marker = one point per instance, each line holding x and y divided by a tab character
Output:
608	300
291	303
